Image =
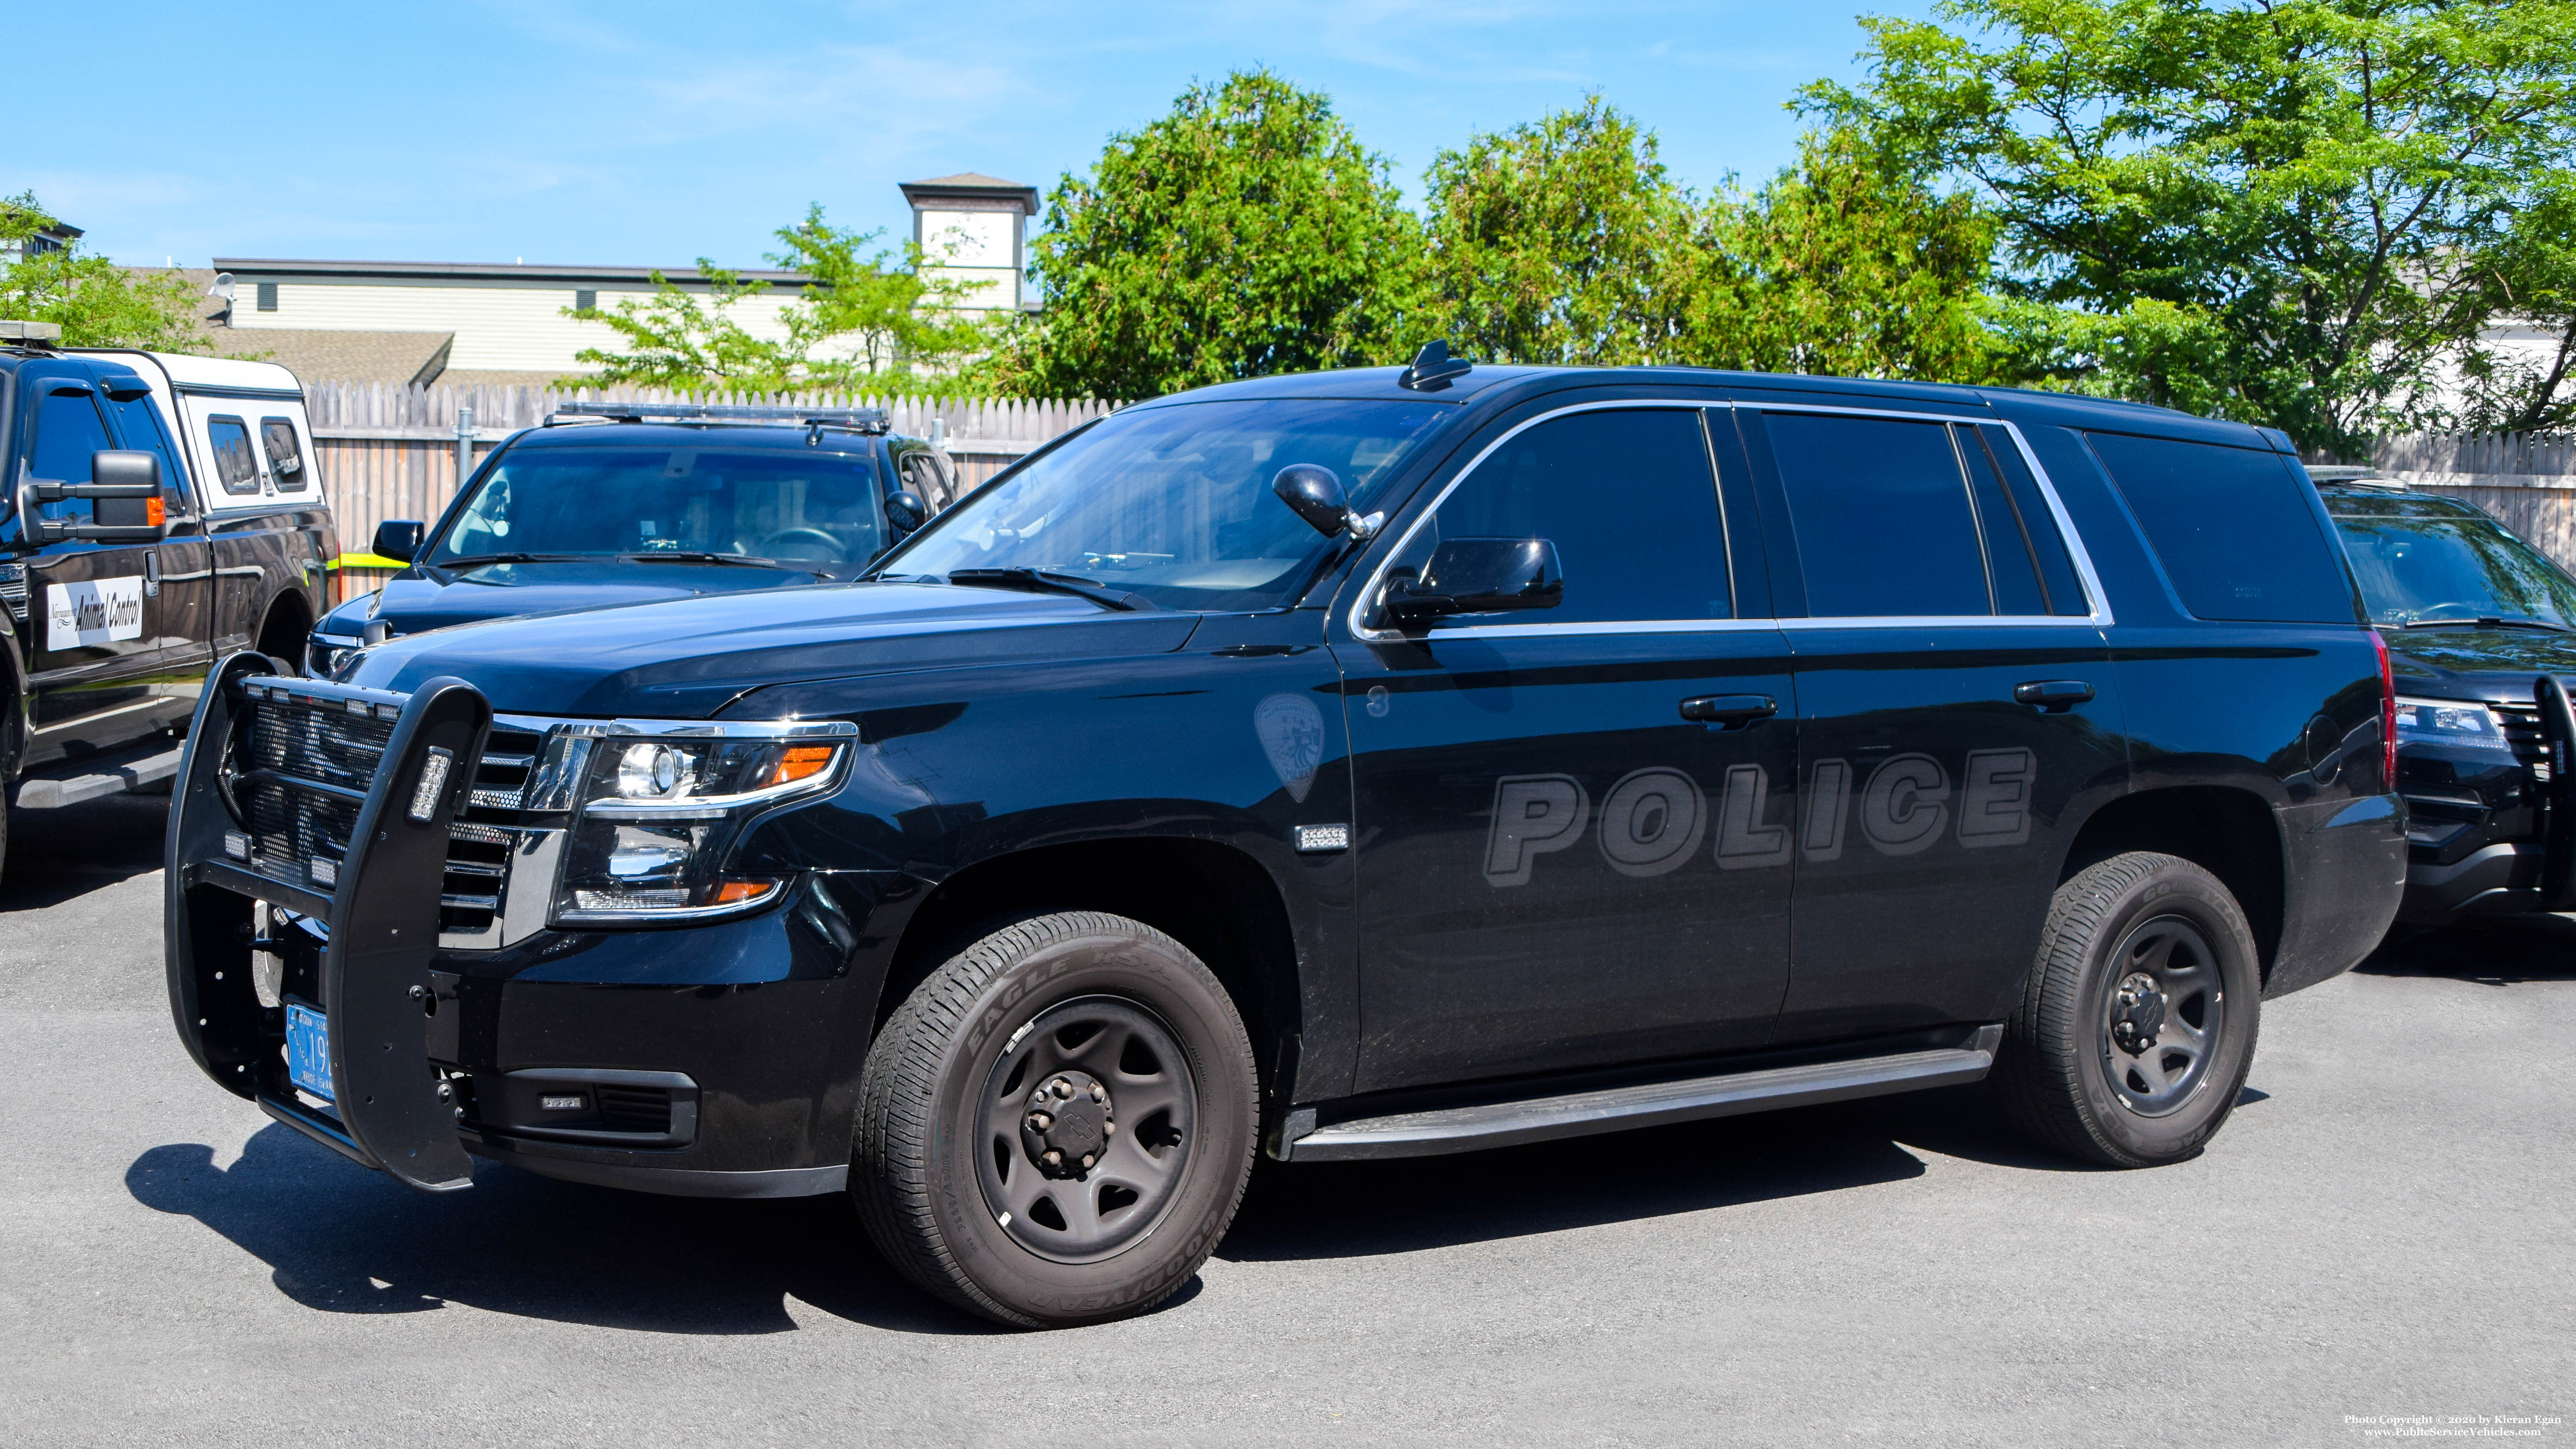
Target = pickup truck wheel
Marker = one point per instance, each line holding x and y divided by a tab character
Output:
2136	1026
1056	1127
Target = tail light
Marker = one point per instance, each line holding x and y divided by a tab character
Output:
2387	714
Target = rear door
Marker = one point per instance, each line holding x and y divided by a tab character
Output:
179	571
1956	715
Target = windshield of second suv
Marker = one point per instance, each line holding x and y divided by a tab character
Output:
805	509
2426	569
1174	503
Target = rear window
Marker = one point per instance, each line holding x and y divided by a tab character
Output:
2233	528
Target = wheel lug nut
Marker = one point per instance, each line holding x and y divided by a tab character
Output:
1087	1160
1039	1121
1108	1129
1051	1158
1099	1093
1060	1087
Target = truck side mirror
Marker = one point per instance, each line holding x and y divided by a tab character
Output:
397	538
1478	576
125	497
905	510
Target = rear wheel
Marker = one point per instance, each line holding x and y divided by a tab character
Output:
1056	1126
2136	1027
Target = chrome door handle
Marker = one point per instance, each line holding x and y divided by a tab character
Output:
1729	711
2053	695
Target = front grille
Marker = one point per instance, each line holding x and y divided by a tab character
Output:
478	849
635	1109
2522	731
302	766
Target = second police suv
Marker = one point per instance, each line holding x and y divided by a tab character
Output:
1339	766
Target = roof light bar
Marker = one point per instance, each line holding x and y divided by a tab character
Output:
865	420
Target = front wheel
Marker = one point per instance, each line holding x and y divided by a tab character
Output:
1056	1127
2136	1027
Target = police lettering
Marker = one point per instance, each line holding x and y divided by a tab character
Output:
1653	820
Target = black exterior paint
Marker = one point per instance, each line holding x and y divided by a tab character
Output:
1025	752
220	581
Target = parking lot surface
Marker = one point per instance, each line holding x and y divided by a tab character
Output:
2387	1227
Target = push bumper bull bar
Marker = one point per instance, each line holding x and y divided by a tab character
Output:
382	912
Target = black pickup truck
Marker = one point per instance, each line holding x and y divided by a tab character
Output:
1335	766
160	512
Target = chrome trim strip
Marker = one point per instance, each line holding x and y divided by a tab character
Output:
2100	615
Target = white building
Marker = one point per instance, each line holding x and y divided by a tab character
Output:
505	322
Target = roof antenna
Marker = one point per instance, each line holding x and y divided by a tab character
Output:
1432	368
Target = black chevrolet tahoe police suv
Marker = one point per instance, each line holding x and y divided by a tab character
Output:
633	502
1339	766
2482	629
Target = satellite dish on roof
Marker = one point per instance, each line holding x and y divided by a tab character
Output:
223	286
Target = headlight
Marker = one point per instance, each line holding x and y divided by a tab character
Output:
2459	724
657	807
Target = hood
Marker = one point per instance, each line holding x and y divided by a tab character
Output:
2485	663
688	658
413	601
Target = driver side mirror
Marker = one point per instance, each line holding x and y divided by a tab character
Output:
905	510
125	501
1478	576
397	538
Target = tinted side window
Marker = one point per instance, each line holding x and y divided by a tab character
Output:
68	430
1629	501
234	465
1882	516
285	460
2232	529
2061	591
138	426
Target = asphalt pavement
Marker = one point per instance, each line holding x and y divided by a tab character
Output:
2383	1239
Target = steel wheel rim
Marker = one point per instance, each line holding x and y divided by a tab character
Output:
1064	1211
2160	1016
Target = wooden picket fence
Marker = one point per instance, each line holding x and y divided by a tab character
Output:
2527	480
389	451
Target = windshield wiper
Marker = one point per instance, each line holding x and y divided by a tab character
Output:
2489	621
693	557
1043	581
474	560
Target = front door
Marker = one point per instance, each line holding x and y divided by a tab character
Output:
1560	867
1955	714
94	625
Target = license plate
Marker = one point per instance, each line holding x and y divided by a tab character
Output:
308	1050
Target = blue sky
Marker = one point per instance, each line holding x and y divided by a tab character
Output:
643	133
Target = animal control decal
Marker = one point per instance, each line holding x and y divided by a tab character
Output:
1653	820
93	611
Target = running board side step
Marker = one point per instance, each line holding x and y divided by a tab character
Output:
1508	1124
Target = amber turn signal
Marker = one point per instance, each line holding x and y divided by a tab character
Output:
800	762
735	892
155	512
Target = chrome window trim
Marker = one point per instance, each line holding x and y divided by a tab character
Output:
2099	615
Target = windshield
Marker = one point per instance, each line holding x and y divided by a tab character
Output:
807	509
1174	503
2416	570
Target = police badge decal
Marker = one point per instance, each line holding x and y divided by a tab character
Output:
1292	735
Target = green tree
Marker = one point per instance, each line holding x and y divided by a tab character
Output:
1245	233
1845	263
2273	206
1561	241
2531	277
96	302
866	322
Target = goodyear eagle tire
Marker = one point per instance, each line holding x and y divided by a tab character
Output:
2136	1026
1056	1127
